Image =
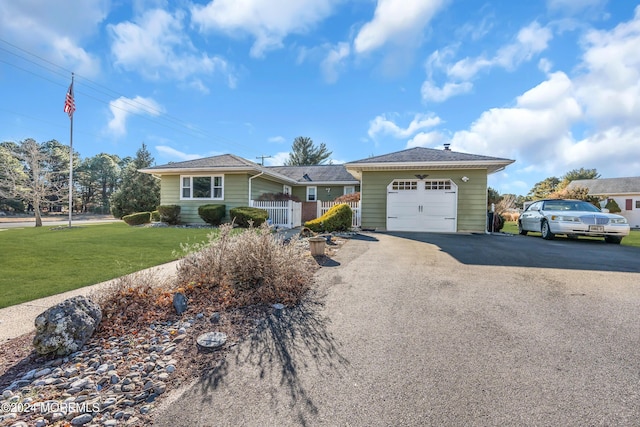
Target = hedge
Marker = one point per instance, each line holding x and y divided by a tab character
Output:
212	214
338	218
169	214
137	218
244	214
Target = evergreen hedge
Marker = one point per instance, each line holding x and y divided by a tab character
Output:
212	214
169	214
244	214
338	218
137	218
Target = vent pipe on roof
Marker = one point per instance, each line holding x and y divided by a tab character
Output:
446	147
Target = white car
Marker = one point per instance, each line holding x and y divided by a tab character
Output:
573	218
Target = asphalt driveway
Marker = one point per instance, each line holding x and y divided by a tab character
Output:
425	329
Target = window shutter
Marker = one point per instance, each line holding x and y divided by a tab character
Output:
629	204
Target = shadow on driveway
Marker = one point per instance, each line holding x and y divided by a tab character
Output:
511	250
278	350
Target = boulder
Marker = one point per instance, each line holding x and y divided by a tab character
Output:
66	327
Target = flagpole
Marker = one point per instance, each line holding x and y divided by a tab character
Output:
71	160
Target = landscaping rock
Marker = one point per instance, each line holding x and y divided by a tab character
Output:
180	303
66	327
211	340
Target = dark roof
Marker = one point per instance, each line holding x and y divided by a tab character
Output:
422	154
317	173
608	186
222	161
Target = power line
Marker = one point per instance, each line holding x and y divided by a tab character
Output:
136	107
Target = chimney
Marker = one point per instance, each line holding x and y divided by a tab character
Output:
446	147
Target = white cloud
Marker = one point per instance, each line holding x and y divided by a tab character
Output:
277	139
430	92
602	100
383	125
334	61
610	85
534	128
396	21
174	154
123	107
157	47
44	28
278	159
426	139
530	41
269	22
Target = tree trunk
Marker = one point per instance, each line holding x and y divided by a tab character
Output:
36	211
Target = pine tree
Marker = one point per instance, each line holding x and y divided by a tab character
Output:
138	192
304	152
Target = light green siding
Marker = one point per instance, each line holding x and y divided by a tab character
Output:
236	193
260	185
472	196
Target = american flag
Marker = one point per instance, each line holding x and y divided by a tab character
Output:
69	103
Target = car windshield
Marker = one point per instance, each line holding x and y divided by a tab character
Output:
569	205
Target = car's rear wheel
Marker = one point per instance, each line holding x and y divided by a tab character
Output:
613	239
521	230
546	231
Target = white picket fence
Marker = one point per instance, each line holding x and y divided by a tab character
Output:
355	207
282	213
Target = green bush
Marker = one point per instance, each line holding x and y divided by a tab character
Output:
137	218
155	216
169	214
612	206
212	214
244	214
338	218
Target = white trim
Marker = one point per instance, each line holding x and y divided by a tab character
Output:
352	187
286	189
212	189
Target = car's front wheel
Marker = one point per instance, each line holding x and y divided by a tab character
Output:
521	230
546	231
613	239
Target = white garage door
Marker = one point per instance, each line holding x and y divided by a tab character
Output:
415	205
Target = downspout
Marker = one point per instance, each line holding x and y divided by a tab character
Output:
251	179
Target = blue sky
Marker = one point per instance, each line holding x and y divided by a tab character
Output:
554	85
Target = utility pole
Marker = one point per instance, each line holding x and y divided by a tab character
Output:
262	159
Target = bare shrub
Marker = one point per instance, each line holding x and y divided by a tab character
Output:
346	198
134	300
250	267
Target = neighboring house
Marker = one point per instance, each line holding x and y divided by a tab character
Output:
625	191
233	181
419	189
424	189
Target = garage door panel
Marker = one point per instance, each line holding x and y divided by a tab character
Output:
421	206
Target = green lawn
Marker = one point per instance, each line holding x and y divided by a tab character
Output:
40	261
633	239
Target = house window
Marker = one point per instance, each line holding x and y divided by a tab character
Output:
202	187
286	189
349	189
312	194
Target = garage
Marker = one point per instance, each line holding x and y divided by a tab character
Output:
422	205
